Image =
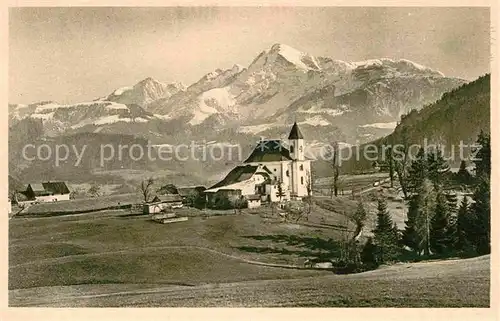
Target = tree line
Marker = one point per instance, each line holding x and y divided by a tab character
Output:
437	224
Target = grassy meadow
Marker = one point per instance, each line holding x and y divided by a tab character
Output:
120	258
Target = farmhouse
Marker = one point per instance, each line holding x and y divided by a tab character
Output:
161	203
46	192
273	172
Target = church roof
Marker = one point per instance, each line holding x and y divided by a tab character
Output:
238	174
269	151
295	132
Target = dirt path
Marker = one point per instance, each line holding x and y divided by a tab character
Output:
69	258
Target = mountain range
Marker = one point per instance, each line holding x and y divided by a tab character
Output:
453	121
332	100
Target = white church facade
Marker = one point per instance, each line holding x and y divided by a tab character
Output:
271	164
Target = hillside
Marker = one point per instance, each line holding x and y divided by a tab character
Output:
458	116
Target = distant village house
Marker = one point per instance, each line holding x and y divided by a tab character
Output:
46	192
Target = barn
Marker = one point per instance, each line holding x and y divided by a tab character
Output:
47	192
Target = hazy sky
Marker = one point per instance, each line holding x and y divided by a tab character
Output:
77	54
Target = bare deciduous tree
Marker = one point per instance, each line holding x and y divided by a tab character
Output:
309	186
238	203
94	190
336	168
294	211
358	218
280	193
400	165
145	188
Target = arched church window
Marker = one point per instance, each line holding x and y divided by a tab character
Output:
287	173
302	180
301	167
291	148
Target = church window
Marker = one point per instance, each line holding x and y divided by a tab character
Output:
301	167
302	180
274	169
291	148
300	148
287	173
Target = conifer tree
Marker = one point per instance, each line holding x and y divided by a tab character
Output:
440	224
463	176
483	156
480	210
396	232
451	233
463	227
437	167
420	212
451	201
418	171
359	218
410	236
385	237
368	254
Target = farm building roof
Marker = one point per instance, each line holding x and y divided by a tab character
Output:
168	198
269	151
185	191
37	187
253	197
48	188
168	189
56	187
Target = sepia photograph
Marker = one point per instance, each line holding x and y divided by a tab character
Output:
253	156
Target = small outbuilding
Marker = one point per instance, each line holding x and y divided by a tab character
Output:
161	203
253	201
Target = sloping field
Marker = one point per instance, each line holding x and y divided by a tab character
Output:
457	283
82	205
348	183
115	258
164	265
116	247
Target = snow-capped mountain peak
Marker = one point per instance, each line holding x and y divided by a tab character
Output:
144	92
282	54
401	66
282	84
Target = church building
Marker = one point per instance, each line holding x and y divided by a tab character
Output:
274	171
